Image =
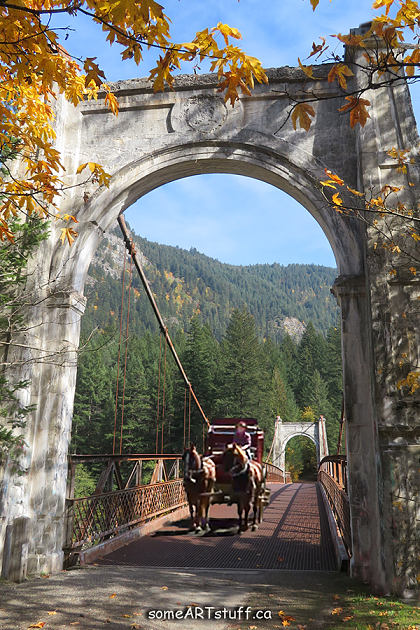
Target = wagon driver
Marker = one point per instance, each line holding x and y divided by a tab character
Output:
243	438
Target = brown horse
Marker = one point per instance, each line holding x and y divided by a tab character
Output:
199	480
247	482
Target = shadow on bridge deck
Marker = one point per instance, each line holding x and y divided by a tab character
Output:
294	535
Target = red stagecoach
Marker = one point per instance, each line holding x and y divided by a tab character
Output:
221	433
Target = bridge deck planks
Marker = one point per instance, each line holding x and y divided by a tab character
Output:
294	535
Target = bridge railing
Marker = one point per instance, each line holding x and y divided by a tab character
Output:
99	517
275	474
332	474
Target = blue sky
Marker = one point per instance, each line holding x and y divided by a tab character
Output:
235	219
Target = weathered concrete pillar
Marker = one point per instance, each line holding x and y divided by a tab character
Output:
37	498
365	487
322	444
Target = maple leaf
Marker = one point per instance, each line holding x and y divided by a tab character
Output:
317	48
339	72
329	183
358	111
112	102
334	177
308	70
383	3
355	192
94	73
337	199
302	112
69	217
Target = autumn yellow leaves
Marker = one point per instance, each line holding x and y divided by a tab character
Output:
35	69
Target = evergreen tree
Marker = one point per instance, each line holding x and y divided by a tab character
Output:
244	376
283	400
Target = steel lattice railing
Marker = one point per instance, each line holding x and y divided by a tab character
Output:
337	498
98	517
275	474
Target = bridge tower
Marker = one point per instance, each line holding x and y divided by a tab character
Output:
285	431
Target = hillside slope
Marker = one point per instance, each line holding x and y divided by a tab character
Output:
281	298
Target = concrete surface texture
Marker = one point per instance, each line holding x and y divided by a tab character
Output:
161	137
124	597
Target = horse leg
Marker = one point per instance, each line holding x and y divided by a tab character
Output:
247	507
204	510
256	508
207	505
239	505
191	506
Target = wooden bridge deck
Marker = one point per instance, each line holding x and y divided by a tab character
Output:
294	535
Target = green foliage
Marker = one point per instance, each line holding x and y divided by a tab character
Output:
84	482
301	458
13	274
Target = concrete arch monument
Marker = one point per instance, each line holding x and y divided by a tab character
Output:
189	130
285	431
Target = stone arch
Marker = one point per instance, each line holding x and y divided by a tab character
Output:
255	155
285	431
188	130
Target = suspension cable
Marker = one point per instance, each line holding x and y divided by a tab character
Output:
119	355
163	393
126	352
131	250
185	412
189	417
158	393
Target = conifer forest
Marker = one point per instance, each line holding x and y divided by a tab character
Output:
255	341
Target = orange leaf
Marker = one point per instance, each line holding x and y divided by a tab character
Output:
112	103
328	182
40	624
337	611
302	112
337	199
354	192
317	48
306	69
113	595
339	72
358	111
334	177
314	4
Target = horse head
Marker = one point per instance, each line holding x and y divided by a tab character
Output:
192	463
234	459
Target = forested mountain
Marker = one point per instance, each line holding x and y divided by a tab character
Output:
229	325
188	283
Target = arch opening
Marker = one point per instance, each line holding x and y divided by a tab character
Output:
299	179
301	458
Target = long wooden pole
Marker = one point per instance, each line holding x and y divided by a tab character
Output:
131	250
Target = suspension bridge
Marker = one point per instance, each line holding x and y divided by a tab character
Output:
127	521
